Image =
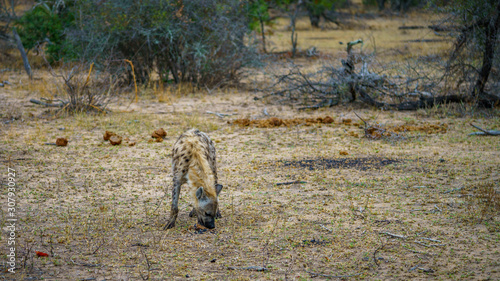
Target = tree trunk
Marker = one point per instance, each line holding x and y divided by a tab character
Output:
313	18
263	34
491	33
20	46
381	5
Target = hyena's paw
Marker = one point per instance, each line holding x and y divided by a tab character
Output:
219	216
170	224
192	213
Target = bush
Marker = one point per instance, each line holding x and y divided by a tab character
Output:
198	41
45	25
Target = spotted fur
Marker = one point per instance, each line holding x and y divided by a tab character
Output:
193	161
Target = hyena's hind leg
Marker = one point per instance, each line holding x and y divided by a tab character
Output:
174	209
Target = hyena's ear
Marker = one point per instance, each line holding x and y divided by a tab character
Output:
218	188
200	193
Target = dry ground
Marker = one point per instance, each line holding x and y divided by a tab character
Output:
98	210
410	206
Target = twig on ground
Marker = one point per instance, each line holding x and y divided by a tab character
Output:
375	255
221	115
148	266
290	182
454	189
394	235
430	239
421	268
252	268
419	252
326	228
332	276
413	268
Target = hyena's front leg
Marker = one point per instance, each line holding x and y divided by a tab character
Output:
174	209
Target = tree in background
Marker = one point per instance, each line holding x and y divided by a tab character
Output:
258	12
322	8
476	49
396	5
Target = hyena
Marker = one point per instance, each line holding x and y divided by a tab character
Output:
193	161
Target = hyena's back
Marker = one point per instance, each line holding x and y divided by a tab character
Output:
186	154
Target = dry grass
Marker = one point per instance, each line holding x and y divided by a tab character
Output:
98	210
380	35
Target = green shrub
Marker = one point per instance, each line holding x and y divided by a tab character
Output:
198	41
45	25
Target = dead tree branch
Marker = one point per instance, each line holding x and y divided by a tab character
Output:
484	132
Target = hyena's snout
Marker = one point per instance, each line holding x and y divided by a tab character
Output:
208	222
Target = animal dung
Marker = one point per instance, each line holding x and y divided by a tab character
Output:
61	141
342	152
378	131
108	135
115	140
160	133
328	120
278	122
131	143
158	139
347	121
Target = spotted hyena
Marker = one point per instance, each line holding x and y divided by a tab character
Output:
193	161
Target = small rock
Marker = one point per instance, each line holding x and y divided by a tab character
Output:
62	129
61	141
131	143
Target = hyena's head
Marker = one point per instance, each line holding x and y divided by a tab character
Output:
206	210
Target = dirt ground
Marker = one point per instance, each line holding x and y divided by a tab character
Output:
301	200
396	208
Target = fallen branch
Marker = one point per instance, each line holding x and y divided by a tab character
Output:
411	105
252	268
484	132
332	276
48	104
394	235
